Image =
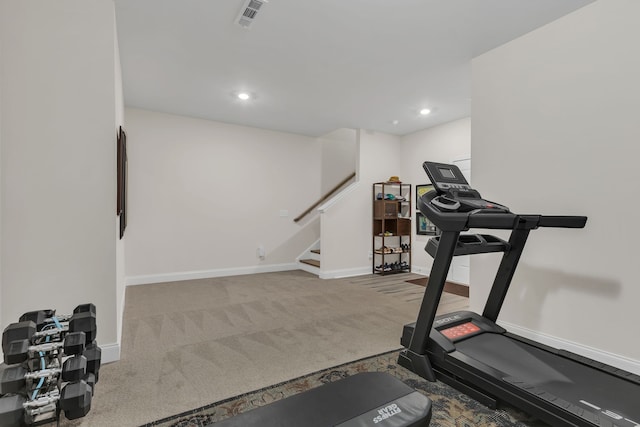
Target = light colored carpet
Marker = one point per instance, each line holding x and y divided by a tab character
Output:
187	344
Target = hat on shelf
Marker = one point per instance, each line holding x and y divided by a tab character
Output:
394	179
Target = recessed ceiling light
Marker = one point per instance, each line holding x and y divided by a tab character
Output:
244	96
395	122
425	111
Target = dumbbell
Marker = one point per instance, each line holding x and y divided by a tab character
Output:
17	332
43	317
73	345
74	400
12	410
36	324
93	354
16	379
18	351
83	319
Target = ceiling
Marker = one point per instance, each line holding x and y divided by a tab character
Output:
313	66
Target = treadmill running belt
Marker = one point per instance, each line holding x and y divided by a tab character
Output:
585	387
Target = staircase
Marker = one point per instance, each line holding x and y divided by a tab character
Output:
310	260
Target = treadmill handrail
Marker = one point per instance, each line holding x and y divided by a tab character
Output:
482	219
453	221
562	221
486	218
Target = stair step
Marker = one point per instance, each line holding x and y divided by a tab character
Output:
313	262
316	251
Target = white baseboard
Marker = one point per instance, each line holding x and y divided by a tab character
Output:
121	313
347	272
110	353
309	268
206	274
420	270
621	362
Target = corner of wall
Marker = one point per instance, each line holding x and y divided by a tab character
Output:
2	14
120	244
65	220
110	353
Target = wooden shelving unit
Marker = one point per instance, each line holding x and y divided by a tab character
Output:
391	228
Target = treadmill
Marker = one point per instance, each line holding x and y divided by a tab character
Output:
472	353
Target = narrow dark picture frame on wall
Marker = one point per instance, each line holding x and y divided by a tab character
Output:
424	227
421	190
121	204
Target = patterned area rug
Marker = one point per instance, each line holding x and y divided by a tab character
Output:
450	407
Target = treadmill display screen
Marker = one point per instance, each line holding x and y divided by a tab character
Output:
447	173
460	331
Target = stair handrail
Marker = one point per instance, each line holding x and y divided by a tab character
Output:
324	197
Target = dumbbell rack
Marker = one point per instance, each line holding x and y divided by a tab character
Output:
51	364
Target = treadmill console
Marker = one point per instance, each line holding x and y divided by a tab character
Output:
445	177
454	194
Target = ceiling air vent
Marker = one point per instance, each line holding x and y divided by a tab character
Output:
249	11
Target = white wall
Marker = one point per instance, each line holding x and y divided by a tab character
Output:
555	131
204	195
443	143
120	243
346	226
338	157
57	159
2	324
